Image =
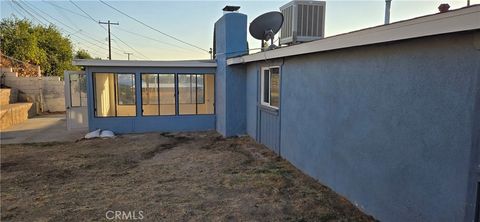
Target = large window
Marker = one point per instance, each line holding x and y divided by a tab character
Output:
270	87
126	89
114	94
161	94
158	94
195	94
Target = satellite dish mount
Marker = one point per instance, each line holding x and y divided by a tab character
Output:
265	26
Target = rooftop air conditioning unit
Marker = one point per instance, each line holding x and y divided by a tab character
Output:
303	21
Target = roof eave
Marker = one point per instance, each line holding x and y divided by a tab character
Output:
464	19
141	63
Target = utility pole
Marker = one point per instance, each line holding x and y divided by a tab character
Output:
128	54
109	40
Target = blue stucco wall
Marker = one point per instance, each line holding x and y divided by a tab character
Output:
230	41
389	126
252	73
139	123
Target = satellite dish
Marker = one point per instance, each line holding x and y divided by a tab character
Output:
265	26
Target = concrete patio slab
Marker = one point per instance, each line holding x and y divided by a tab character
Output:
44	128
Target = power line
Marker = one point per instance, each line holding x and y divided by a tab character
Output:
150	38
18	11
66	9
84	12
74	29
163	33
94	20
74	33
67	18
91	49
33	16
41	22
129	46
118	45
120	49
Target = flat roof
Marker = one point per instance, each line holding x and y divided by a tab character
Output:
144	63
463	19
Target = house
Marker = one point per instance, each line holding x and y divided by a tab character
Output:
388	116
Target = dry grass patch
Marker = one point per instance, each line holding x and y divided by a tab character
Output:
184	176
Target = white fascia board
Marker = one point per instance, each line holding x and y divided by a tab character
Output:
464	19
139	63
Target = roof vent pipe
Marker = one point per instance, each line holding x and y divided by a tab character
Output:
387	11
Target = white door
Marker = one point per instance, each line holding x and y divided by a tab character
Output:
76	99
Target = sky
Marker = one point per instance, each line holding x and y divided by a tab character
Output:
189	21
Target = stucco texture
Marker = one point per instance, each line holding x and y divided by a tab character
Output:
389	126
230	41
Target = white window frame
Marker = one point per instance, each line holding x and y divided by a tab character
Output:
262	85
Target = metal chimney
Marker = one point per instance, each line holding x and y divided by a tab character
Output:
387	11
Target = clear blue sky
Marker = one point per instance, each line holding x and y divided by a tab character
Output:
192	21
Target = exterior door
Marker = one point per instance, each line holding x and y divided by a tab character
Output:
76	99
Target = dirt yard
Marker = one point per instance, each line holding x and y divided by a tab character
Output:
180	177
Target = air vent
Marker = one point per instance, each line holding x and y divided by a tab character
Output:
303	21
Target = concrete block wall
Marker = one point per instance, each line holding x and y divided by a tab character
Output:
13	114
6	69
54	94
8	96
13	96
47	92
4	97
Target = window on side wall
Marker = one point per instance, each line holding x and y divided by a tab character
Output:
114	94
270	87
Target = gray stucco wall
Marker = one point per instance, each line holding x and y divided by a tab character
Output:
389	126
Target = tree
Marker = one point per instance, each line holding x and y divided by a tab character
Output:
40	45
82	54
58	49
19	41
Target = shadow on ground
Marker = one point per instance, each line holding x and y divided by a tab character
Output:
185	176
